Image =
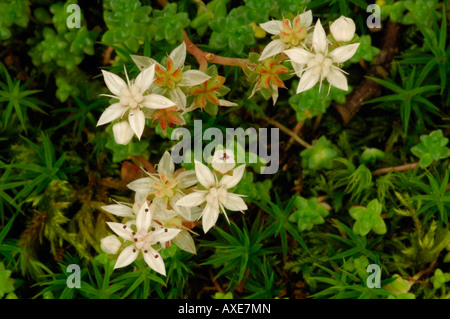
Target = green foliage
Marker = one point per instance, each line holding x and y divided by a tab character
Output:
18	99
432	148
368	218
321	155
169	23
13	12
127	22
308	213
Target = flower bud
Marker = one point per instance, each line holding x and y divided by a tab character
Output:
110	244
122	132
223	161
343	29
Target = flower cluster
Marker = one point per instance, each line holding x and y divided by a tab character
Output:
166	206
314	56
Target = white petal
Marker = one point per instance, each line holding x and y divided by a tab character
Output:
308	80
230	181
142	185
156	101
163	235
143	62
306	18
298	55
114	111
178	96
143	218
235	203
319	38
178	55
209	217
298	68
337	79
227	103
273	27
343	53
137	122
204	175
145	79
187	179
272	48
113	82
185	241
122	132
193	199
126	257
154	261
166	164
119	210
185	212
193	77
125	233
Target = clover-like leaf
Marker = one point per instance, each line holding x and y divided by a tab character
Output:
309	213
368	218
320	155
432	148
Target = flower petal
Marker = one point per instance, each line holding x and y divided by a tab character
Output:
166	164
142	185
178	97
187	179
230	181
193	77
204	175
113	82
143	62
343	53
156	101
272	48
193	199
235	203
145	79
114	111
143	218
319	39
273	27
183	211
299	55
209	217
308	80
337	79
122	132
126	257
178	55
119	210
154	261
306	18
125	233
137	122
163	235
185	241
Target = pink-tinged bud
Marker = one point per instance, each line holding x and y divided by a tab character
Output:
343	29
122	132
110	244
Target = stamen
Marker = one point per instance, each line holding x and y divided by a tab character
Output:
165	230
134	250
156	256
145	251
124	226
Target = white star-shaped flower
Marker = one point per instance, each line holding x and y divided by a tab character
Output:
321	64
132	99
287	34
216	195
143	239
167	186
171	79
